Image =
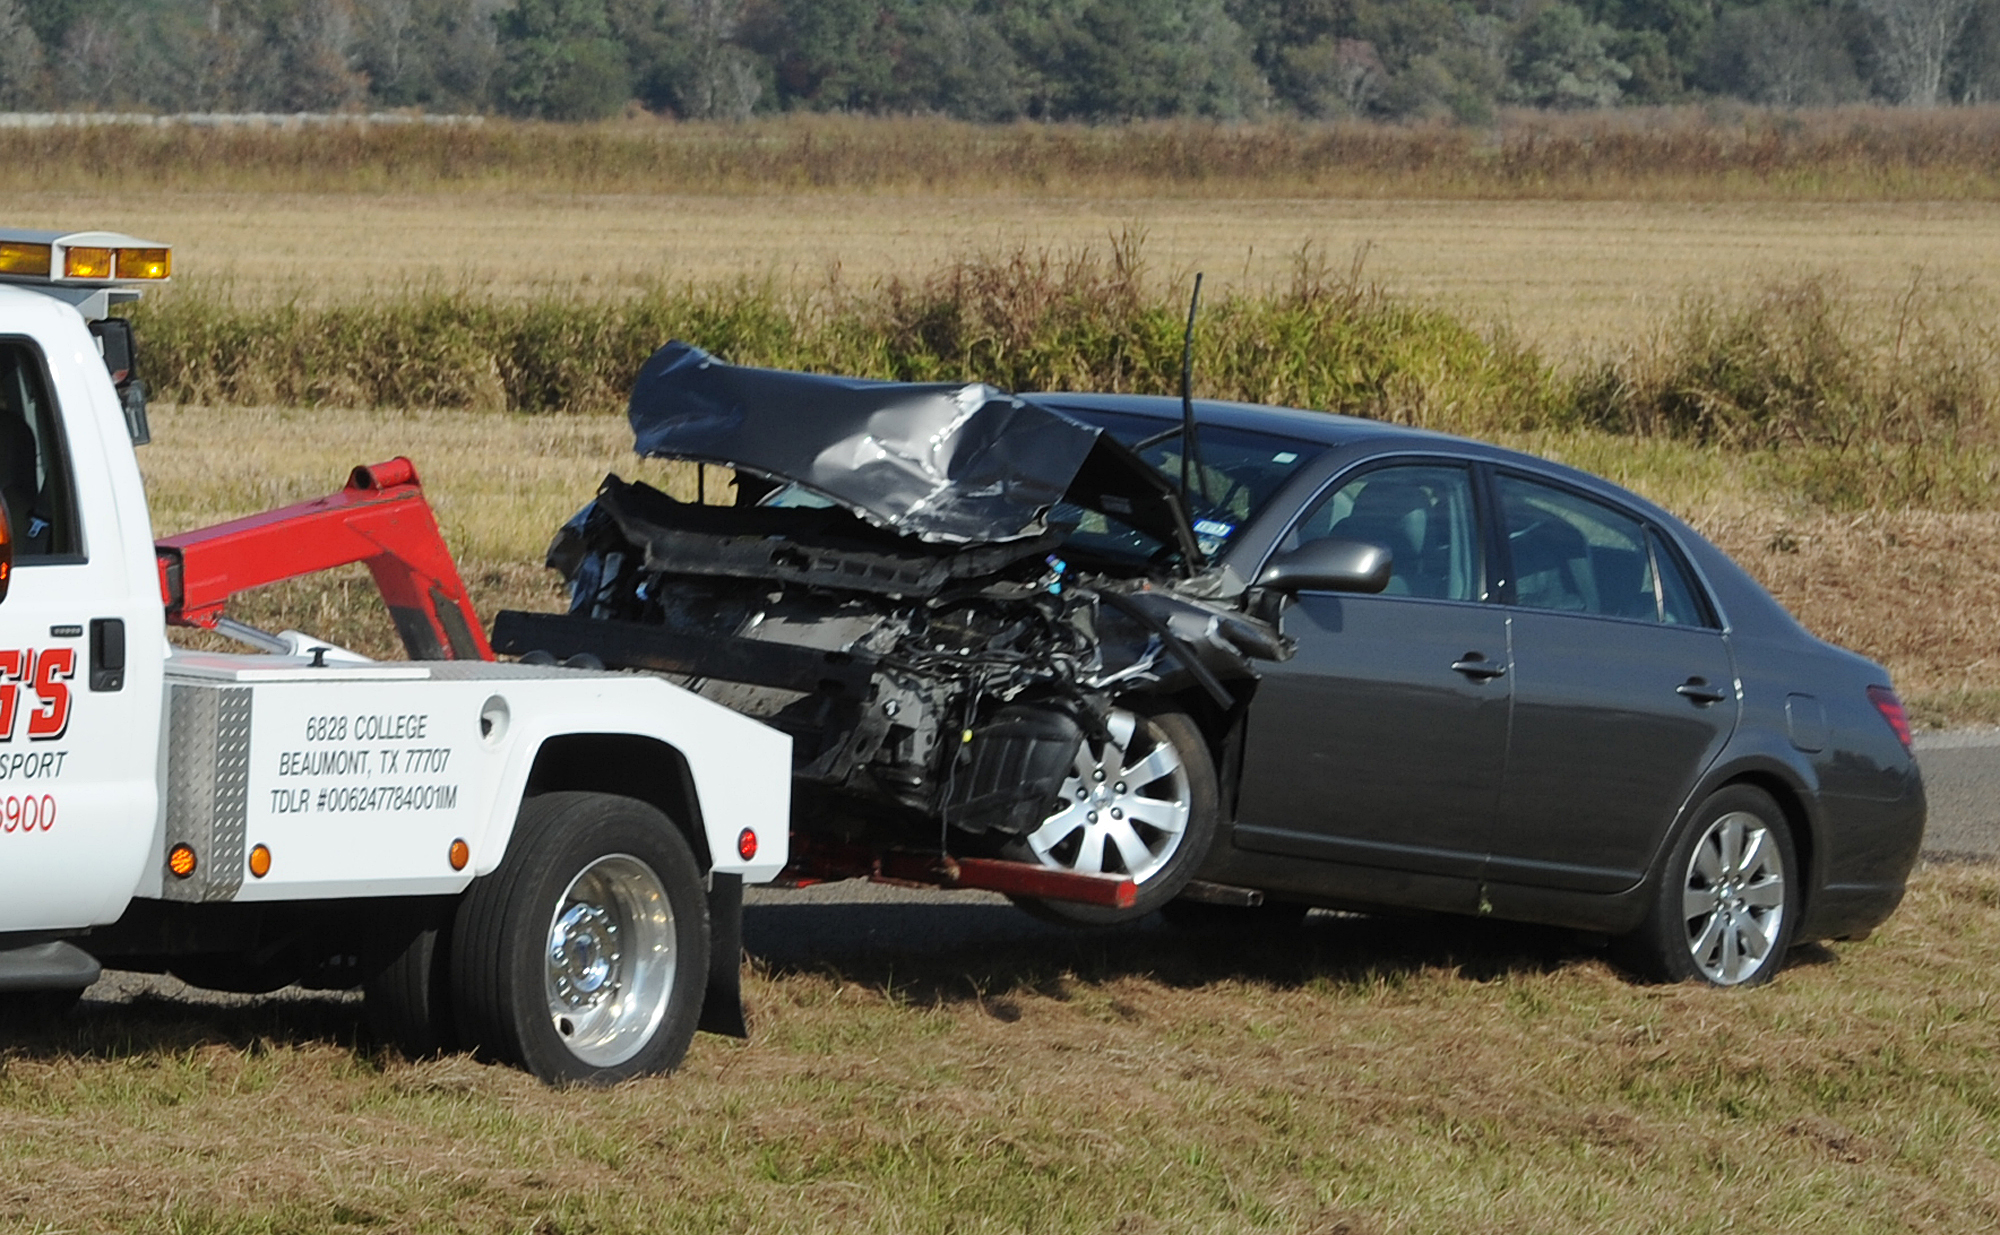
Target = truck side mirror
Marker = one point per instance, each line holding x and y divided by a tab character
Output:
121	359
1329	565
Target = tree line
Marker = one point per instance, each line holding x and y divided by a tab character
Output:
989	60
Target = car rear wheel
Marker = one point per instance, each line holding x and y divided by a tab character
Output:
585	956
1142	804
1727	904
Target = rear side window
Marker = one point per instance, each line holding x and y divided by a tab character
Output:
1577	555
1679	603
34	474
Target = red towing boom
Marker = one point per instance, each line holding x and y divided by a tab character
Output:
380	518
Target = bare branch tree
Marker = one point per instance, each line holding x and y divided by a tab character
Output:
724	86
1916	38
20	57
385	26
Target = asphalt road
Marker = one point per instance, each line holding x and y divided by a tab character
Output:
1962	780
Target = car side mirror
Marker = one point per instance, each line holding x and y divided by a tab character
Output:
1329	565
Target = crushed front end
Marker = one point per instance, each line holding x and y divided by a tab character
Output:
901	588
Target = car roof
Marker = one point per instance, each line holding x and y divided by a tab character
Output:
1345	436
1327	428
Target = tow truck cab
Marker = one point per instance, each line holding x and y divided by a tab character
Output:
543	864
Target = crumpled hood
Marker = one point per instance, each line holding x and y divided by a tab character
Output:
944	463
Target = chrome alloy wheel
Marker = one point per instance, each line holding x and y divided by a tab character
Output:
1124	806
610	960
1734	899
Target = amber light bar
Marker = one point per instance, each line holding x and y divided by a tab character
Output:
25	260
86	258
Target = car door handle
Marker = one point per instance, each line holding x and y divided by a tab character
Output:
1478	668
1700	691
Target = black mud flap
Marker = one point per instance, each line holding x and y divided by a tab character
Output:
722	1005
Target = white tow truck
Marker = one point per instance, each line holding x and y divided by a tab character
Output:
543	864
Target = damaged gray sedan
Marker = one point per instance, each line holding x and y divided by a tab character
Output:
1056	645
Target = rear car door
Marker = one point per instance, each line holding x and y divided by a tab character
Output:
1382	741
1624	690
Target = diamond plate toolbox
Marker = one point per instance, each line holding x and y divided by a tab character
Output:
208	787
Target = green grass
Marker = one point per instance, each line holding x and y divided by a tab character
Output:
1020	320
1352	1074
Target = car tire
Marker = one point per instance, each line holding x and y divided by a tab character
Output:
584	957
408	1003
1726	903
1113	821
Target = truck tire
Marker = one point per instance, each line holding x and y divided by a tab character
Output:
408	1003
583	958
1151	790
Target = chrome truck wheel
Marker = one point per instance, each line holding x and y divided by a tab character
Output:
1142	805
1724	910
584	957
611	960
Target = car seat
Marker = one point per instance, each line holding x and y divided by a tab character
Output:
1396	515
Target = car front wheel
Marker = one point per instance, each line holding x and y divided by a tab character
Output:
1727	904
1142	804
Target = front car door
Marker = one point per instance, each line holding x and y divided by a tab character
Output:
1381	743
1624	690
78	740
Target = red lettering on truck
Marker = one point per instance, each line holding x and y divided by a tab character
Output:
53	670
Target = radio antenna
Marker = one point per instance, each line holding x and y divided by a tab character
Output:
1190	448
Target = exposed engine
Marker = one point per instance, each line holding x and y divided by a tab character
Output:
954	681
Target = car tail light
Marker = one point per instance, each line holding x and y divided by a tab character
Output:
746	844
1885	702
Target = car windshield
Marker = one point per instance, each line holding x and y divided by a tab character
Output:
1241	470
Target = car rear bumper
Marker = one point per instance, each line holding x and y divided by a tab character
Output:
1865	857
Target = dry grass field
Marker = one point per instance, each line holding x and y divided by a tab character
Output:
1352	1075
1574	230
1572	277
